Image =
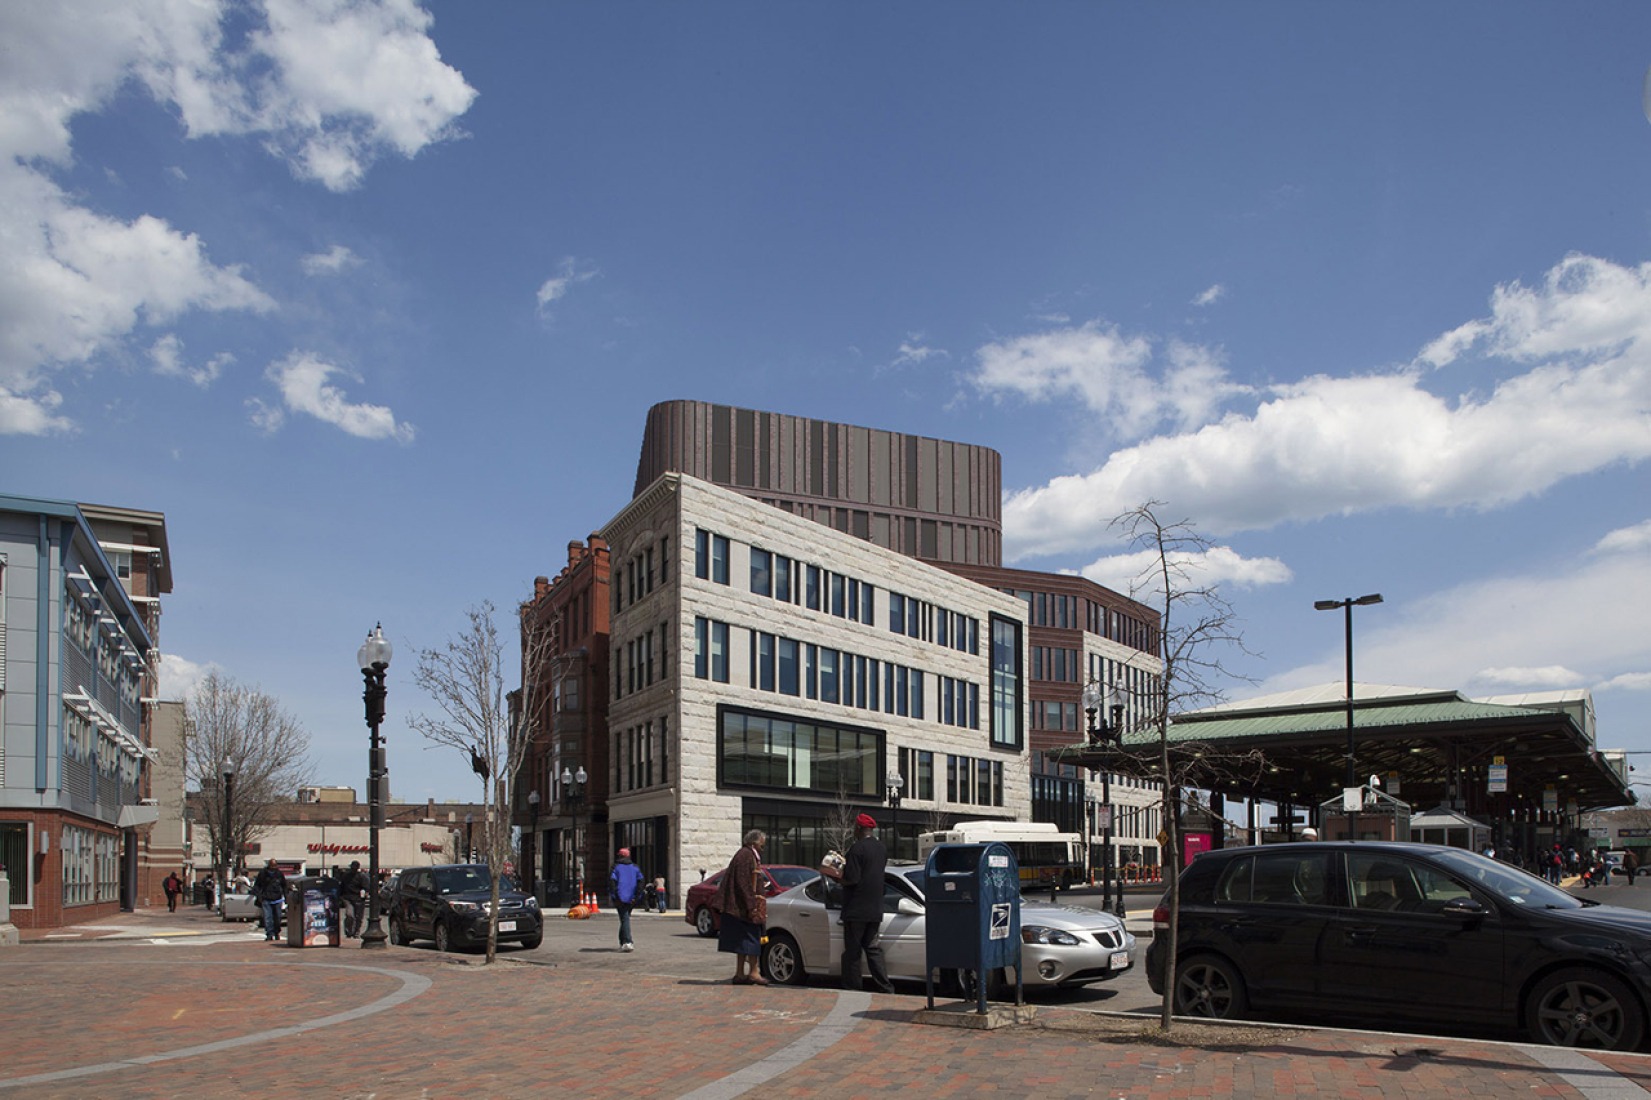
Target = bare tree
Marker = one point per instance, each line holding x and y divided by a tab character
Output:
1196	627
231	726
492	734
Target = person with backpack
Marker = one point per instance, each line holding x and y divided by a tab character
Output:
623	892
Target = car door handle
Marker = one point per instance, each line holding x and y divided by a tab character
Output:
1361	932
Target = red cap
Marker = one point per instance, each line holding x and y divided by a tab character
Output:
866	821
626	852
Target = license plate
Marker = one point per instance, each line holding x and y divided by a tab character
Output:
507	926
1119	961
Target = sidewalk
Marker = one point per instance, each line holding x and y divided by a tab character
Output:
159	1005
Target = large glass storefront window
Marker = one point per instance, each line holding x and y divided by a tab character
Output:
755	749
1007	681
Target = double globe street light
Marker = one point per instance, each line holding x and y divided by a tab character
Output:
1098	703
374	659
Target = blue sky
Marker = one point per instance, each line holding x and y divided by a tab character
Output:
370	300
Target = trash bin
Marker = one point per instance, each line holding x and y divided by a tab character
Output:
312	912
973	921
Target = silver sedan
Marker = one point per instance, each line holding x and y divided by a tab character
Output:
1061	945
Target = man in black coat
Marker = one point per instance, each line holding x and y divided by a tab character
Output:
270	888
352	892
862	916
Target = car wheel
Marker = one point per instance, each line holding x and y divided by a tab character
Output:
1210	987
705	922
1579	1007
533	941
444	938
782	961
398	934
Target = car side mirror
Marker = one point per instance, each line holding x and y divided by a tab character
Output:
906	907
1465	908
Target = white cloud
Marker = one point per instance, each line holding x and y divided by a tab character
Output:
331	262
567	277
1135	573
303	382
167	355
914	351
179	676
329	85
1126	379
1549	677
31	415
1481	639
1626	540
1210	296
1325	446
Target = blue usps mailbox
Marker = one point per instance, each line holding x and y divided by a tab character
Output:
973	922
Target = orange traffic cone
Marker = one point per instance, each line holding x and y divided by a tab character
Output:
594	908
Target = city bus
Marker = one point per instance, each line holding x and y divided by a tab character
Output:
1044	854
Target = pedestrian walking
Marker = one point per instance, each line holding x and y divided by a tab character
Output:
744	910
1630	865
862	915
174	888
625	887
660	893
352	894
270	888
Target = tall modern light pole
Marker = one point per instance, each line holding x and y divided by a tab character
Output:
894	782
573	790
229	833
374	659
1348	605
1095	699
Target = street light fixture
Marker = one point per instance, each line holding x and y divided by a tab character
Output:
533	857
469	832
894	781
374	660
573	790
1352	769
1097	699
229	832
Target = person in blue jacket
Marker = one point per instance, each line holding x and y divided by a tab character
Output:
624	893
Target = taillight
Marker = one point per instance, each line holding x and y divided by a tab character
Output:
1160	918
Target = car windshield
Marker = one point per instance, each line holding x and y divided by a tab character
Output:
1508	883
788	877
460	880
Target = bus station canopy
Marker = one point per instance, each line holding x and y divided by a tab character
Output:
1431	747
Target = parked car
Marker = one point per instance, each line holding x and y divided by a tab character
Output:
1061	945
241	907
448	903
1380	932
696	906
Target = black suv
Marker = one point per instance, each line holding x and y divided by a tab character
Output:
1385	931
448	904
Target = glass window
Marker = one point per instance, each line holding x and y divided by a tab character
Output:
765	662
787	651
719	559
719	652
762	572
837	585
811	588
1006	683
828	675
897	613
782	579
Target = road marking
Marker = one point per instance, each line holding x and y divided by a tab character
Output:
411	986
1592	1080
836	1026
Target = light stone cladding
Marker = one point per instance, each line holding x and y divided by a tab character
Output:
1137	803
705	818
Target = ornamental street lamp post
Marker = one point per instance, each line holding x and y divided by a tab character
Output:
1348	605
573	791
894	781
1095	699
374	659
531	857
229	832
469	833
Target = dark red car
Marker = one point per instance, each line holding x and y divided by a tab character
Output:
696	907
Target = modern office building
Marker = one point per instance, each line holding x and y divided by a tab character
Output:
79	611
771	672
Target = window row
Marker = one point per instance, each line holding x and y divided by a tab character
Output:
818	589
1059	717
644	661
1057	664
917	771
641	756
974	780
1136	688
926	622
638	575
809	671
1068	612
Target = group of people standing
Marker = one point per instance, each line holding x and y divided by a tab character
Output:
742	906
